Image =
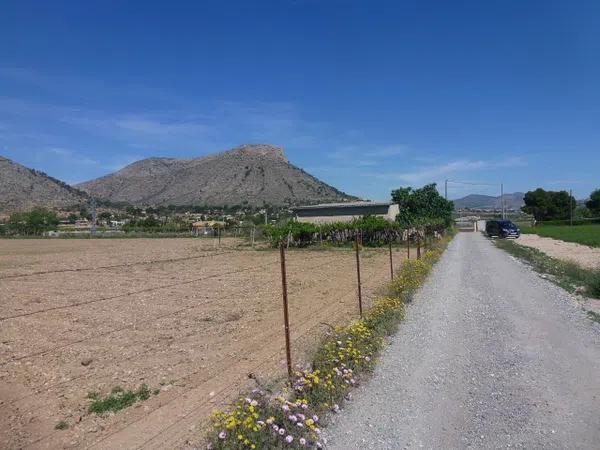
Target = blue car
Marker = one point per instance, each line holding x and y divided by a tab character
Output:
502	229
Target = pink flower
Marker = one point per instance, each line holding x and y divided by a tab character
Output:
282	431
302	417
304	406
316	418
293	418
209	446
275	427
302	441
286	408
289	438
222	435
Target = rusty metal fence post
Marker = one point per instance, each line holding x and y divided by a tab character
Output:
407	243
419	246
286	321
358	275
391	262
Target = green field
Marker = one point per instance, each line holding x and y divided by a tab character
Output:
582	234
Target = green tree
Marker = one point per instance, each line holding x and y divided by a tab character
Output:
593	204
422	206
548	205
35	222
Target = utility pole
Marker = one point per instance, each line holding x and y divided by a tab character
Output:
93	231
502	199
571	205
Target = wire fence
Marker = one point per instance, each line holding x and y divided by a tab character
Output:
300	324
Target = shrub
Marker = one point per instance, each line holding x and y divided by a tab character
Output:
593	284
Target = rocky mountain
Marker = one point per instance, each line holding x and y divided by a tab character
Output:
249	174
475	201
22	189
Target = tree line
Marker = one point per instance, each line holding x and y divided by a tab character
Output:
559	205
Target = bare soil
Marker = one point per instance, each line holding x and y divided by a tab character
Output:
588	257
180	315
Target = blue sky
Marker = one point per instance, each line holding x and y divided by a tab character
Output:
366	95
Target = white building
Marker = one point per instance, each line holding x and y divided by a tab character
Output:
345	212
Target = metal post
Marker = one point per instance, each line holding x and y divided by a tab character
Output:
286	321
407	243
93	230
419	246
253	232
358	276
391	262
502	199
571	205
219	233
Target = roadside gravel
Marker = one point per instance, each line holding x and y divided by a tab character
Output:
490	356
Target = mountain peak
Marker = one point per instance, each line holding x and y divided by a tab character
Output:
264	150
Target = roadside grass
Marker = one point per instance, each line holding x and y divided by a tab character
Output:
118	399
566	274
593	315
580	234
345	357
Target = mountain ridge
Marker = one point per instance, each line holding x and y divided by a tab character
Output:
252	174
23	188
478	201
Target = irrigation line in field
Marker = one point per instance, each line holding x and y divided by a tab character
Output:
127	294
115	266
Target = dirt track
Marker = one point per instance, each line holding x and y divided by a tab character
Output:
490	356
583	255
178	314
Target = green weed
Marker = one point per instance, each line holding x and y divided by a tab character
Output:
61	425
117	400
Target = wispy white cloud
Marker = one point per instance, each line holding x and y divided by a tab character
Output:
425	174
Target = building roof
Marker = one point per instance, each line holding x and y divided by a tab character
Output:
341	205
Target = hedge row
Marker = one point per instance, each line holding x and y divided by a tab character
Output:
371	230
346	355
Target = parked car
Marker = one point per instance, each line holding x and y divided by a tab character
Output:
502	229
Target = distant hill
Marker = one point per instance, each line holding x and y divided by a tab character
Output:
249	174
476	201
22	189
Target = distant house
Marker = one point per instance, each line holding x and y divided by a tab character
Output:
345	212
206	227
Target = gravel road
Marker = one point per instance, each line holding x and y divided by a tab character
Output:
490	356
